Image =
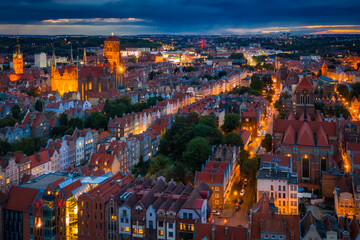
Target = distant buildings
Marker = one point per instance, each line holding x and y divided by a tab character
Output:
40	60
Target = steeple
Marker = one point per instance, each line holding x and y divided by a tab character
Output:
71	55
304	70
53	63
85	58
17	50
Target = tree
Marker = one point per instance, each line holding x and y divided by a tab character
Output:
7	121
233	139
97	121
29	146
341	110
176	172
266	142
5	147
76	123
213	135
39	105
343	90
209	120
221	73
236	56
197	151
173	143
158	165
15	111
141	167
249	168
193	118
232	122
64	119
256	83
266	79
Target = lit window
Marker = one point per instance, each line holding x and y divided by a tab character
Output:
141	231
135	230
161	233
127	229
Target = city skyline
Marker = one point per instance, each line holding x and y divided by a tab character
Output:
38	17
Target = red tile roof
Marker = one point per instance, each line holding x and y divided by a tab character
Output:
21	198
205	231
281	160
305	83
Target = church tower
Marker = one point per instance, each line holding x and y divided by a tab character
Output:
304	99
18	64
324	70
113	57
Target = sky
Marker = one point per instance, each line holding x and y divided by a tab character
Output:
133	17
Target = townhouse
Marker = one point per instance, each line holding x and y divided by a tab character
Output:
275	177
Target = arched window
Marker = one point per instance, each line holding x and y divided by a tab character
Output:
323	164
305	166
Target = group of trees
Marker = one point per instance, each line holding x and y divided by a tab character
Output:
348	94
216	77
27	146
187	144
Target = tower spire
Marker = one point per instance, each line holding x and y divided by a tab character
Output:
85	58
304	70
53	58
71	55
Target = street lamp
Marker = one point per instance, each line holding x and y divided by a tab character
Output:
235	193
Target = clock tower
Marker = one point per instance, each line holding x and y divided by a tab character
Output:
18	64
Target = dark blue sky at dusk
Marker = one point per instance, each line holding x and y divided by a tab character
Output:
127	17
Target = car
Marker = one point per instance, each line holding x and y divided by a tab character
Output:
245	182
240	201
217	213
242	193
237	206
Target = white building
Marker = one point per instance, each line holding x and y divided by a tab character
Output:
40	60
280	183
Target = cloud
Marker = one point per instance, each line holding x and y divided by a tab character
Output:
93	20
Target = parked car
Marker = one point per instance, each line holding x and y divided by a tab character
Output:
237	206
242	193
245	182
217	213
240	201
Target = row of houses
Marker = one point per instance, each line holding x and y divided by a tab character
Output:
64	206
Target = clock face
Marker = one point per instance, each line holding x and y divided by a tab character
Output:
305	92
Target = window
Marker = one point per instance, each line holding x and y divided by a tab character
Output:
141	231
279	188
279	195
161	224
284	188
185	215
170	225
284	195
272	187
135	230
305	167
171	234
127	229
161	232
122	229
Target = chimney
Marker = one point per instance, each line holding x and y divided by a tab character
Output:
226	231
213	233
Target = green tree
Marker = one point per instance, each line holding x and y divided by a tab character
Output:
158	165
176	172
249	168
29	146
341	110
256	83
64	119
231	122
213	135
197	151
5	147
15	111
343	90
141	167
236	56
38	105
69	131
7	121
233	139
97	121
76	123
221	73
266	142
193	118
209	120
